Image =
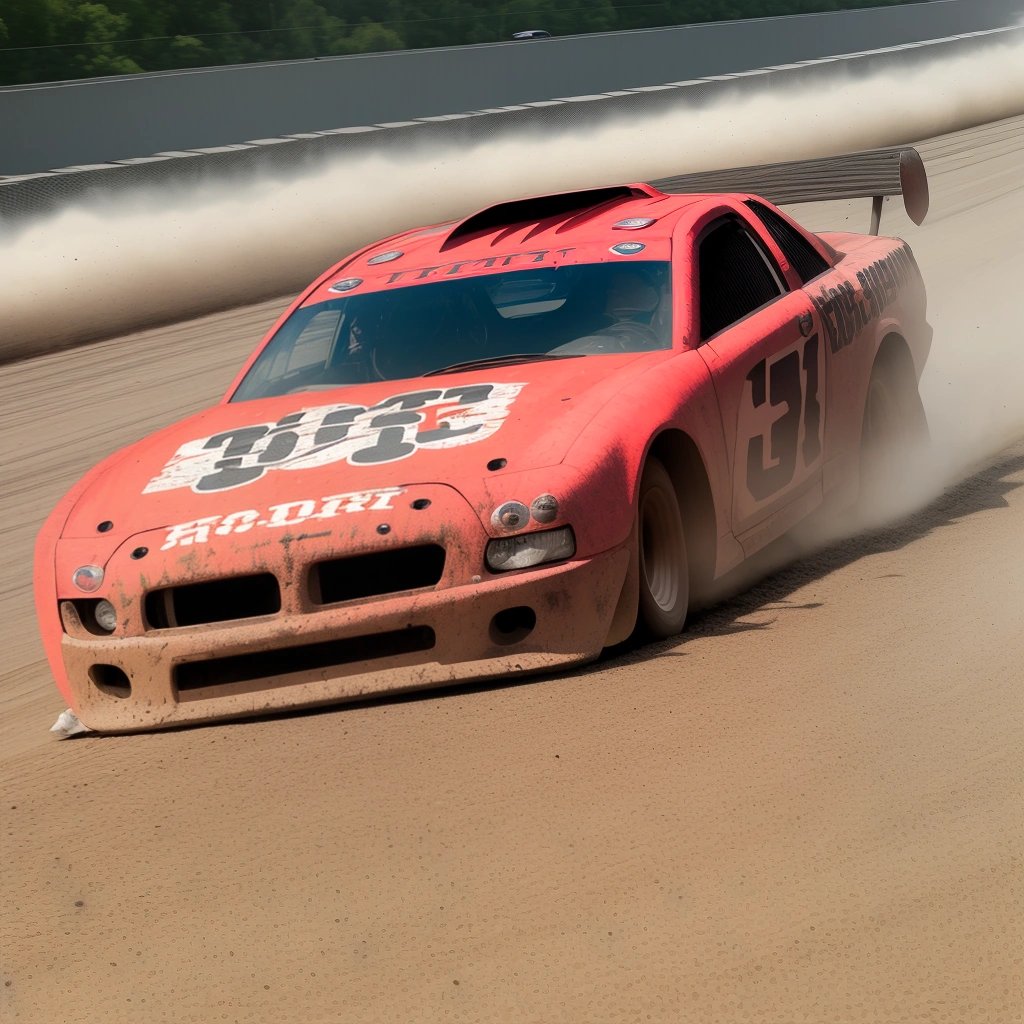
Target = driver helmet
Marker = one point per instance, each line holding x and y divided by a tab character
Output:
631	296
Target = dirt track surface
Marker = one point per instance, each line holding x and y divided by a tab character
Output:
808	810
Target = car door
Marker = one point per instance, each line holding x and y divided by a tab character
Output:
762	345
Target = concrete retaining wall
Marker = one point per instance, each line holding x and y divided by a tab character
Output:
37	194
98	120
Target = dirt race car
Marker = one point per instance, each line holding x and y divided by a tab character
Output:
491	447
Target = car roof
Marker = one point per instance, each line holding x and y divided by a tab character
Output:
551	230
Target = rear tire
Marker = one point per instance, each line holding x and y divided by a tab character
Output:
894	440
664	568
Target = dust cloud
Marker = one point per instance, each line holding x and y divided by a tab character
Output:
970	258
973	385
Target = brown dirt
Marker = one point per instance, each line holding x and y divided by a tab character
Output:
806	810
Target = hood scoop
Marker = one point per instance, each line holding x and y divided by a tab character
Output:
521	212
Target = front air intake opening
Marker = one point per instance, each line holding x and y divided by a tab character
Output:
512	625
238	597
377	573
111	680
208	676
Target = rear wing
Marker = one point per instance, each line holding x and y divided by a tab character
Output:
874	174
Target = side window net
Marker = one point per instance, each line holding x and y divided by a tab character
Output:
802	256
735	278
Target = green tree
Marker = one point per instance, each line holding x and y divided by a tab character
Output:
45	40
189	52
313	29
98	29
368	37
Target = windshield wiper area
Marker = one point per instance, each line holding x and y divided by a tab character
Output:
519	357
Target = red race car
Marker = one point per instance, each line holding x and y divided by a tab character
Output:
491	447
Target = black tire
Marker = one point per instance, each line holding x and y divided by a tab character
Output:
664	568
894	438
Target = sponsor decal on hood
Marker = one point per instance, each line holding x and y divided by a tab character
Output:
391	430
288	513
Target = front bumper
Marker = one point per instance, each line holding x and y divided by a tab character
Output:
504	625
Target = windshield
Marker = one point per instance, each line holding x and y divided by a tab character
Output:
521	316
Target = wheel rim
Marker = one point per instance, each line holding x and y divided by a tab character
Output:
661	550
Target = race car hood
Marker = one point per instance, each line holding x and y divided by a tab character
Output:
258	457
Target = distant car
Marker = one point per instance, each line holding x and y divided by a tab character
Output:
532	33
485	448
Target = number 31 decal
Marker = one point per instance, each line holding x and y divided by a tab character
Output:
791	382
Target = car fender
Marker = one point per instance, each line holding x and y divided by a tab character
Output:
674	396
